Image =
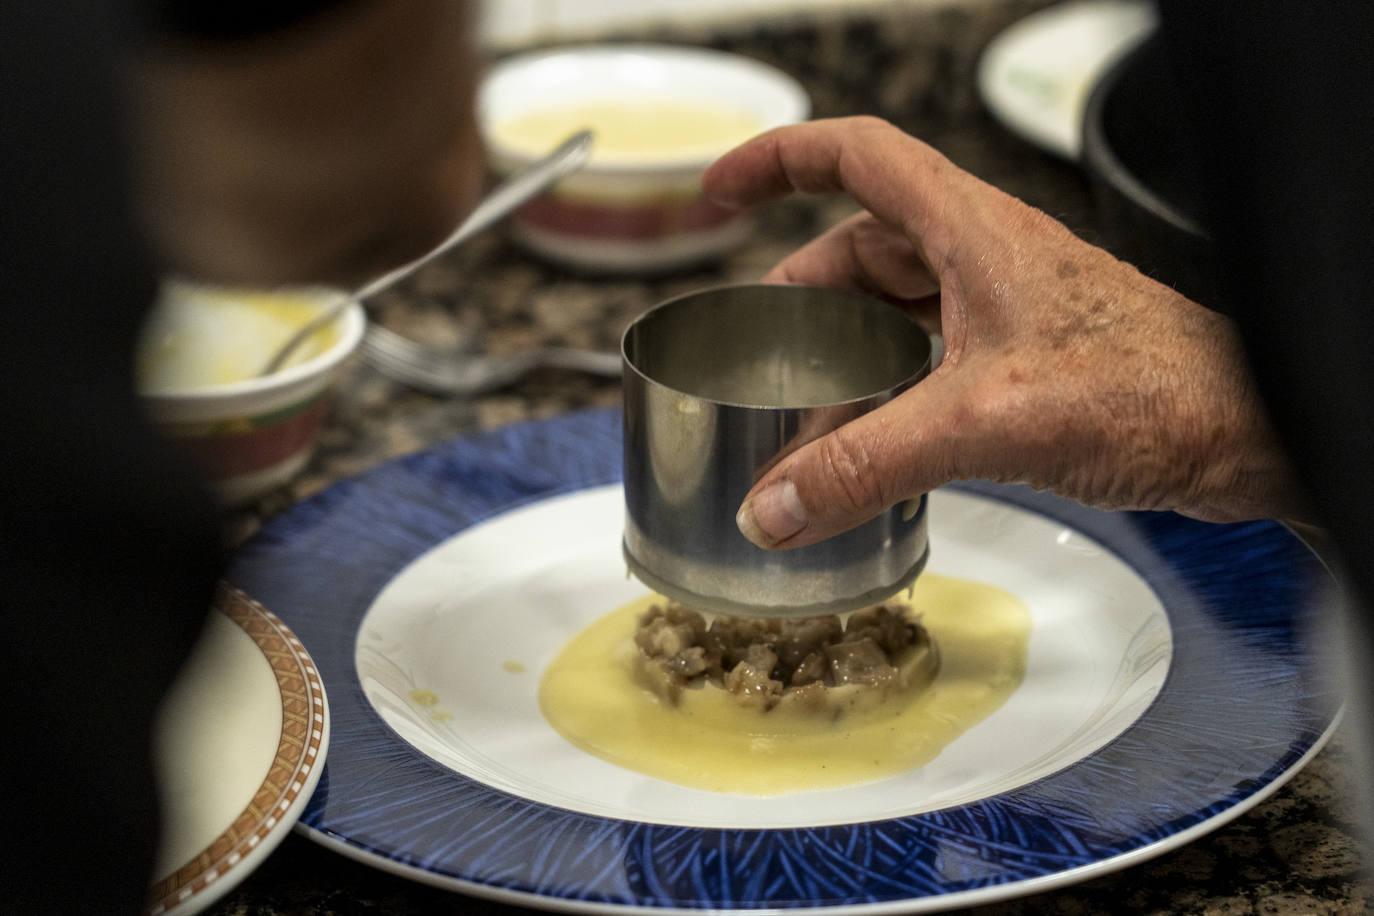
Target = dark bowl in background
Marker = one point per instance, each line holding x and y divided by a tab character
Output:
1145	175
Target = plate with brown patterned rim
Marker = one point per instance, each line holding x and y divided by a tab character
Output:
239	746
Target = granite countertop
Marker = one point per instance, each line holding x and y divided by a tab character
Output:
1296	852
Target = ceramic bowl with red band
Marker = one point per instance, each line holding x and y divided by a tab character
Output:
198	362
661	115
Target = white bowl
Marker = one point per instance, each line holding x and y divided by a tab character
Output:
632	211
249	435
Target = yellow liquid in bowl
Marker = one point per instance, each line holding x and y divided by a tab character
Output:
201	337
630	130
590	696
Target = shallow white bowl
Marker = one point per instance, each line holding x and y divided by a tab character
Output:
646	215
251	436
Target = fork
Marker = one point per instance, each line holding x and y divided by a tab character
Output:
446	372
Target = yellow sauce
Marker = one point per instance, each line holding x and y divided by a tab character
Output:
708	741
424	697
428	700
629	130
209	337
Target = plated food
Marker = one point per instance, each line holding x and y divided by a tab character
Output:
765	707
815	666
1149	630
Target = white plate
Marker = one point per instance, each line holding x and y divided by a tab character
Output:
533	578
1035	77
1175	678
239	745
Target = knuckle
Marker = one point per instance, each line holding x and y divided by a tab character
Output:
848	474
1033	223
870	123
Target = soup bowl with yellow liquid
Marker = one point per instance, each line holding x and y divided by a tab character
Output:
199	362
661	115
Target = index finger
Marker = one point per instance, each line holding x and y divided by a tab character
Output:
900	180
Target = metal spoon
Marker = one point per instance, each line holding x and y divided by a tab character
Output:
570	156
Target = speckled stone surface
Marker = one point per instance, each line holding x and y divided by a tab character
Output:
1297	852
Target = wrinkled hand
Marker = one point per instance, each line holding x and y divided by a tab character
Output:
1064	368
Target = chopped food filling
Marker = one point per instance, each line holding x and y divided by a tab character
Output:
762	662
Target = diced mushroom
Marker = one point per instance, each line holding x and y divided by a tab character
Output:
861	662
667	631
802	638
732	637
811	670
688	663
753	687
888	629
761	662
654	675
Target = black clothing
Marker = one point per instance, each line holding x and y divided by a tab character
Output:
1278	98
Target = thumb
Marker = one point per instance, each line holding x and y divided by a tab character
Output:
843	479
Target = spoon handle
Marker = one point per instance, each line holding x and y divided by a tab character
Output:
568	157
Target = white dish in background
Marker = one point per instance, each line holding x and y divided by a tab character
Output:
239	745
640	214
200	350
1035	76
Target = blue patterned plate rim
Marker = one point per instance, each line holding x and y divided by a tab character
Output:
1249	698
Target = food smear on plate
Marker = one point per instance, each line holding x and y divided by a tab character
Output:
424	697
198	337
771	708
630	130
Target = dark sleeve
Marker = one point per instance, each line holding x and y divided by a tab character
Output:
108	545
198	19
1279	96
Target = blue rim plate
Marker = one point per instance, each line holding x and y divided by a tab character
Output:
1247	701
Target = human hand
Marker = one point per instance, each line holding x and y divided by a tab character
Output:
1064	368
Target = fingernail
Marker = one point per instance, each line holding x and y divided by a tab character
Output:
772	515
